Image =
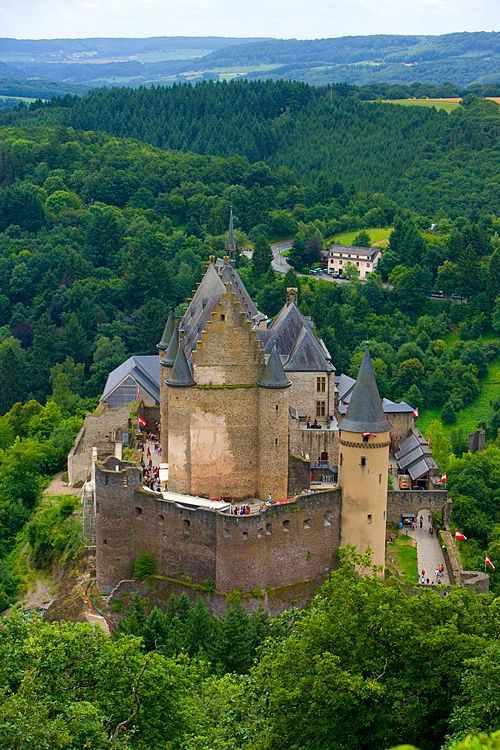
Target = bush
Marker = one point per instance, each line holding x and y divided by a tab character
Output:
144	567
448	414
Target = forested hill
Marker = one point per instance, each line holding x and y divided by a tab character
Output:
462	58
427	160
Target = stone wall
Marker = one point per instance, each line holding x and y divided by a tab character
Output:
98	431
299	472
411	501
401	426
314	443
304	393
282	546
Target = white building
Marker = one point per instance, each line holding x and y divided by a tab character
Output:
364	258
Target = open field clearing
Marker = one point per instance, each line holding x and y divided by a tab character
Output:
379	236
447	104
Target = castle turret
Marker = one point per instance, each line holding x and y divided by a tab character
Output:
180	405
273	405
166	364
363	466
162	347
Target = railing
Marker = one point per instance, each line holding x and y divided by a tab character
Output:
324	465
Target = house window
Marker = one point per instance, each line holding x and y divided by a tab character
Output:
320	408
321	384
357	262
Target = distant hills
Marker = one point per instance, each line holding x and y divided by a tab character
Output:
461	58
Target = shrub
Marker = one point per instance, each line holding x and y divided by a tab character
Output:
144	567
448	414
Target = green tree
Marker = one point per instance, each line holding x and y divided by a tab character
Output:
362	239
262	256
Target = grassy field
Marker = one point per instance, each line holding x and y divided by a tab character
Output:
27	99
474	413
402	558
447	104
379	236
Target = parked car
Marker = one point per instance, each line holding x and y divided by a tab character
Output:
437	295
456	296
404	483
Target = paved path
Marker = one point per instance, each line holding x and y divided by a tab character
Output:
429	553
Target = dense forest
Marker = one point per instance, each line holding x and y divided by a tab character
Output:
367	666
426	160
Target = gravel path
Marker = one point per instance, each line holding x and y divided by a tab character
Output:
429	553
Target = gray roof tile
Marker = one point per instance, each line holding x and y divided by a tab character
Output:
365	412
274	374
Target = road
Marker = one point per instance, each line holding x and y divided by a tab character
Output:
281	265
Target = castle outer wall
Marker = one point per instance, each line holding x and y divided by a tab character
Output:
284	545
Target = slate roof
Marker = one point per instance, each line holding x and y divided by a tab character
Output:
345	384
292	334
344	250
274	374
365	412
414	456
171	353
181	375
167	332
144	369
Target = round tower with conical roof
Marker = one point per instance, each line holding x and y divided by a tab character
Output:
167	359
273	406
363	466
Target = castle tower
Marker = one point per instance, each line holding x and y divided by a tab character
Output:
363	466
166	364
180	405
273	429
162	348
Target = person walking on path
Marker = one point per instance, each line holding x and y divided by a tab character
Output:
421	521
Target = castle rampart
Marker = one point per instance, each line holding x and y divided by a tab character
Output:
280	546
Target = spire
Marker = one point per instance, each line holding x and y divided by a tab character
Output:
274	374
172	348
167	332
365	412
231	245
181	375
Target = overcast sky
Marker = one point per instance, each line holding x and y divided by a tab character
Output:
303	19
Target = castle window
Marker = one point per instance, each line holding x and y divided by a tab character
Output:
341	459
225	531
222	317
380	478
384	515
320	408
369	518
97	507
286	525
363	461
276	407
245	535
307	523
104	541
138	511
186	523
260	533
269	529
321	384
324	456
327	518
276	441
106	480
161	518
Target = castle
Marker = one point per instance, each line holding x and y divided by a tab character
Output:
251	411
